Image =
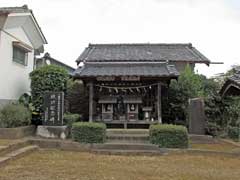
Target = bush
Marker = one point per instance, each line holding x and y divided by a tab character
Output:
14	115
70	118
86	132
212	129
169	136
233	132
25	99
50	78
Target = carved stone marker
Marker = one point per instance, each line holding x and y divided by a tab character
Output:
196	116
53	105
53	127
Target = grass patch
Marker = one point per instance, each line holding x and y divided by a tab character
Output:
64	165
5	142
219	146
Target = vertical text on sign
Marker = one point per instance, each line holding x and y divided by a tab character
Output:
53	108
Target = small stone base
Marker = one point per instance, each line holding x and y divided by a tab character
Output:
56	132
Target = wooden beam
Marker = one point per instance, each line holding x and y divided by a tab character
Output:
90	85
159	102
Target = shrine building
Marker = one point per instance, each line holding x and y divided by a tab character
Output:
126	82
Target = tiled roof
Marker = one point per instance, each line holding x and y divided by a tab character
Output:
231	85
142	52
126	69
235	78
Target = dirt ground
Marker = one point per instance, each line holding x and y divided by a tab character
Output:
62	165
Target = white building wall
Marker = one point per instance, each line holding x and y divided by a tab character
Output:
14	77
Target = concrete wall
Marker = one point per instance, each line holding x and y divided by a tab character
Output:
14	77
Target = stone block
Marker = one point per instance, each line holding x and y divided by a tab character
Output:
196	116
18	132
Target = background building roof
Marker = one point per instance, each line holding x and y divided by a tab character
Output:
42	61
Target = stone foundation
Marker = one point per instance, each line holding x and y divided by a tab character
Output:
56	132
17	133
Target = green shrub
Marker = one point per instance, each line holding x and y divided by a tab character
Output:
70	118
233	132
212	129
86	132
14	115
169	136
50	78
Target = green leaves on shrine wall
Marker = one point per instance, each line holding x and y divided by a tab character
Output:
169	136
46	79
85	132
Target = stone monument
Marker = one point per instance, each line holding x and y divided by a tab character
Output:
53	125
196	116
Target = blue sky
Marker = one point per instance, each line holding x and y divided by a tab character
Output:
212	26
234	3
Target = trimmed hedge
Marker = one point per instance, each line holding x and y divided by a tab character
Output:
169	136
70	118
85	132
233	133
49	78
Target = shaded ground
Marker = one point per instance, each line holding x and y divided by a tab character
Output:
64	165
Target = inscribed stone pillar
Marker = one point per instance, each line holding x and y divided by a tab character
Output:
159	103
90	85
196	116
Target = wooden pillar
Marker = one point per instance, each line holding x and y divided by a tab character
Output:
159	103
90	85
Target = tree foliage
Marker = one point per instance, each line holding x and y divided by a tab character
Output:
222	112
46	79
77	98
189	85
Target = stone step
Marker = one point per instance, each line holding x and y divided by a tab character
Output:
131	138
17	154
127	131
125	146
124	141
128	152
11	147
202	139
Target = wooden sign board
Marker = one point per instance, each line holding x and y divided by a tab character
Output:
53	105
105	78
130	78
122	78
